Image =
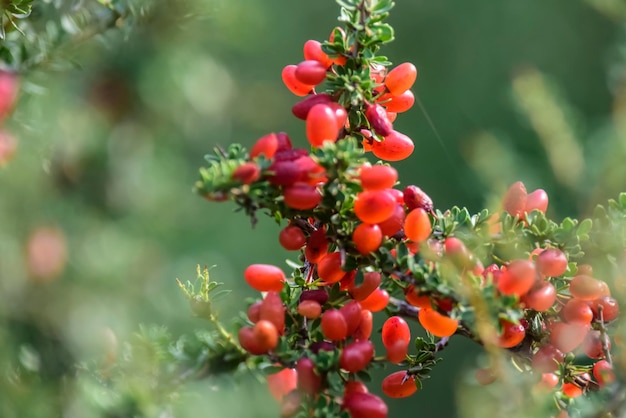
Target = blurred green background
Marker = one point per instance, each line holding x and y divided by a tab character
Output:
108	153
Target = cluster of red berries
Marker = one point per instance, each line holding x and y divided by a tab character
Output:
571	317
326	118
328	306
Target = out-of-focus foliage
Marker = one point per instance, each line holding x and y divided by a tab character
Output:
108	150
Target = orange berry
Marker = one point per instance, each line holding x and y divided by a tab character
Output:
313	51
329	268
395	147
417	225
265	335
399	385
321	125
292	83
401	78
367	238
378	177
436	323
374	206
377	301
264	277
309	309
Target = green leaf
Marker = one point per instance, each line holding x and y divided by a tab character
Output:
383	6
584	228
346	4
384	33
568	224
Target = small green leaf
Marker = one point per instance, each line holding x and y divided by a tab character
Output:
384	33
584	228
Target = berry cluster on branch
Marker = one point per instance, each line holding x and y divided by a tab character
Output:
514	280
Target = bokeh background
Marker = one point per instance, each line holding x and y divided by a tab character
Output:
98	217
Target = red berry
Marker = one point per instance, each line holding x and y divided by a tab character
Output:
608	306
291	238
254	312
398	103
436	323
302	108
378	177
356	356
310	309
289	154
310	72
341	115
247	173
603	372
540	297
577	311
367	238
399	385
265	335
512	334
316	246
547	359
395	147
567	337
9	89
377	301
393	224
329	268
397	351
374	206
592	344
334	325
264	277
354	386
308	380
266	145
318	295
514	201
416	299
571	390
378	119
551	263
417	226
414	197
284	142
301	196
292	83
395	329
351	312
364	330
272	310
401	78
518	278
248	342
585	287
537	200
321	125
365	405
549	380
371	281
282	382
313	51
